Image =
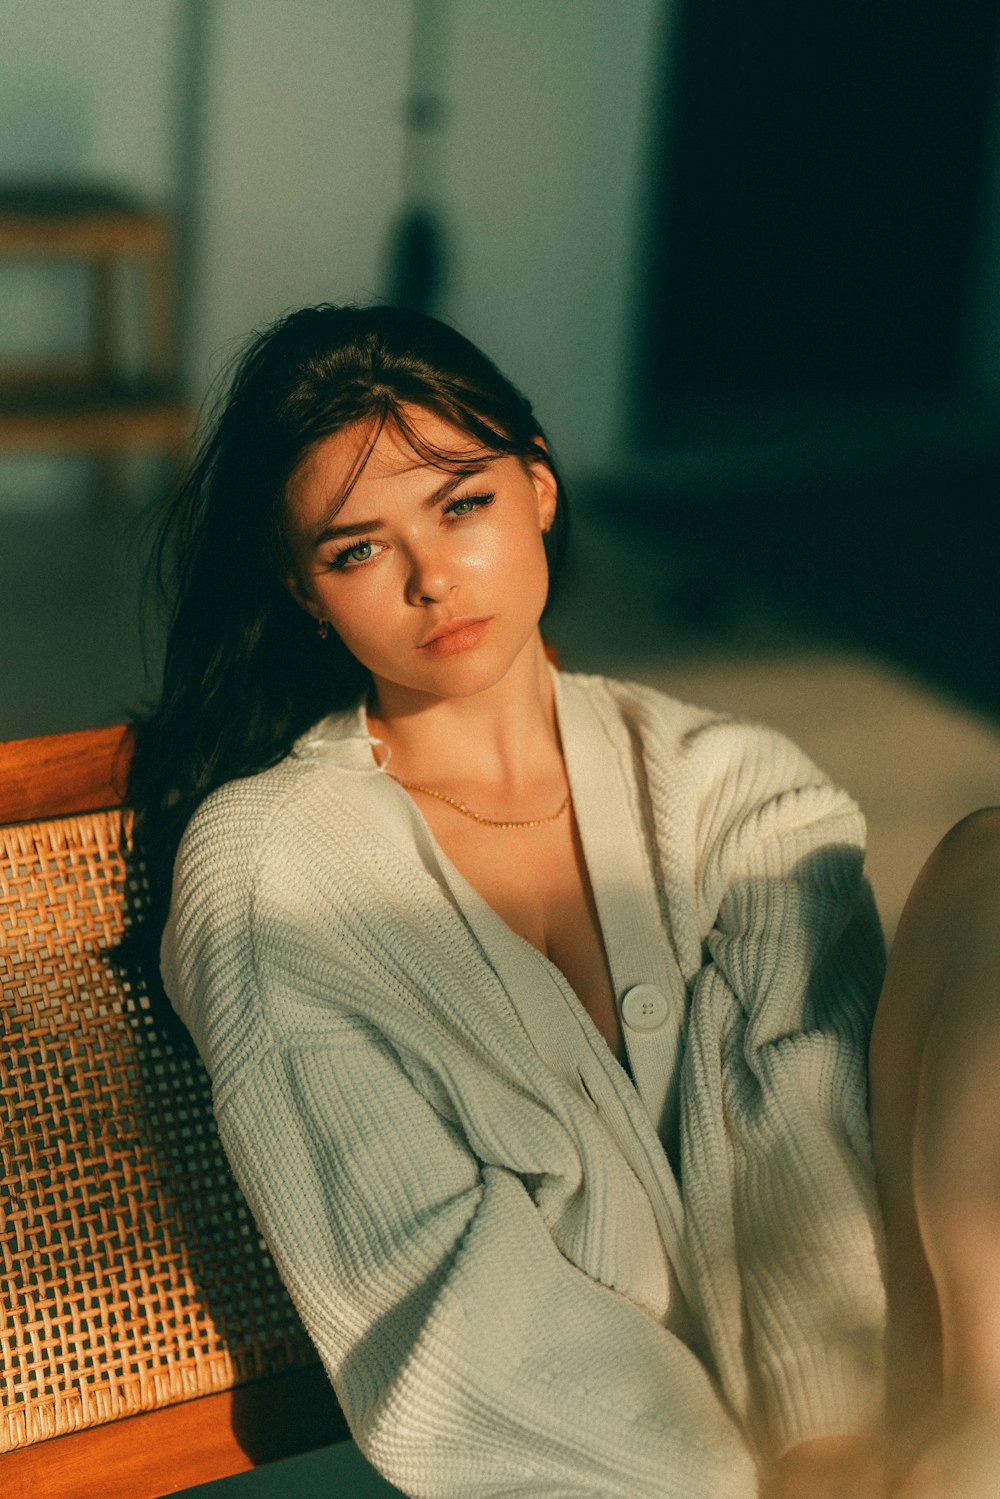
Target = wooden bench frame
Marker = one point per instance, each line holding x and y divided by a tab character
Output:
171	1448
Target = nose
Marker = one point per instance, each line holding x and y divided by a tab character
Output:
429	578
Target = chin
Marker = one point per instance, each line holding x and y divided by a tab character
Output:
468	678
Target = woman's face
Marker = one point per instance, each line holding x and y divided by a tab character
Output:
435	579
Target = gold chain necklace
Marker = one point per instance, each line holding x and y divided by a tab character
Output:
489	822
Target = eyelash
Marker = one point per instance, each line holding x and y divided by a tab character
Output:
341	562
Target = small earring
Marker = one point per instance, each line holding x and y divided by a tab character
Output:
323	629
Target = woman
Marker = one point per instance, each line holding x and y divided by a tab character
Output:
536	1006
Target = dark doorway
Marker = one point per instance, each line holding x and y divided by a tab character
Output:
816	228
819	198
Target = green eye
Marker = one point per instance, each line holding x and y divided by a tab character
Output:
361	551
466	503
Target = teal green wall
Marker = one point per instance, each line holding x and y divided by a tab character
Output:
290	173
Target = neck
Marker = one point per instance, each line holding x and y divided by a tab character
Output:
503	737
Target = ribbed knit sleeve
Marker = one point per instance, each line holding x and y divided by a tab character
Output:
780	940
472	1358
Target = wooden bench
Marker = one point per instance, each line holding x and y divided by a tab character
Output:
147	1343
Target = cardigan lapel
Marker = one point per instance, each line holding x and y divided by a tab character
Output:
569	1042
555	1021
602	776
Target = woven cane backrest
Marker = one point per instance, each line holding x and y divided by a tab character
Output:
133	1274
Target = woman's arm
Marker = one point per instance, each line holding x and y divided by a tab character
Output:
778	1175
470	1358
829	1468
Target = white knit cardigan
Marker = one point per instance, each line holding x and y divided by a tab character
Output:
513	1289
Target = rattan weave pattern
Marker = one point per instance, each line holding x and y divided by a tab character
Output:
133	1274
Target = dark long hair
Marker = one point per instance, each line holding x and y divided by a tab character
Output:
245	672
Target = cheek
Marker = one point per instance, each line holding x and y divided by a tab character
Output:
529	562
481	555
511	555
359	617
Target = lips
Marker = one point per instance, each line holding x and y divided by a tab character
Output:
457	635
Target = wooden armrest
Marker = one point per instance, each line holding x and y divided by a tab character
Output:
63	773
164	1451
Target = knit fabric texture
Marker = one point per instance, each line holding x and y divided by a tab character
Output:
526	1274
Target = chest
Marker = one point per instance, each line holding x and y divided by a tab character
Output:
536	880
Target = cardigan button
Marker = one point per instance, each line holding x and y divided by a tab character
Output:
644	1008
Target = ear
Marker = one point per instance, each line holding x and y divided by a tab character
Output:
544	481
299	594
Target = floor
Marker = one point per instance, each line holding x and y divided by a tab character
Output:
915	759
331	1473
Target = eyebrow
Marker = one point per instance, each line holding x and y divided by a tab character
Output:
329	532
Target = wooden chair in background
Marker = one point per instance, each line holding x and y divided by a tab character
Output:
90	403
146	1342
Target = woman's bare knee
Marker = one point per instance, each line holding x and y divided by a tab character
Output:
946	927
956	893
969	849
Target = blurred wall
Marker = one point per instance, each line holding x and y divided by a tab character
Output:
88	88
546	163
541	164
299	160
277	128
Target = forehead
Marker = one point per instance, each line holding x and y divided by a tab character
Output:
338	466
